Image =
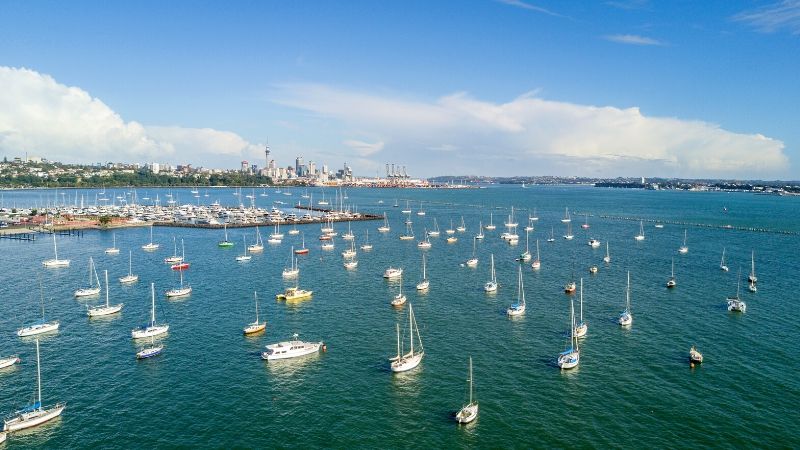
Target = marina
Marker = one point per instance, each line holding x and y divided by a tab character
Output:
349	311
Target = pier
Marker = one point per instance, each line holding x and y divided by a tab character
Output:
19	236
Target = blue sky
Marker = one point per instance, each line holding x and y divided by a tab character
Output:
470	87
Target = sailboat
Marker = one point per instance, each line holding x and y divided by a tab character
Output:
526	255
130	277
491	285
407	361
511	222
55	262
180	291
736	304
566	218
435	232
113	250
152	328
399	299
349	236
174	258
468	412
294	268
581	328
366	246
385	227
473	261
225	243
552	237
684	249
94	282
257	326
586	222
722	264
480	231
259	245
40	326
149	352
752	277
450	230
409	233
518	308
671	282
150	246
695	357
244	257
303	250
461	228
34	414
626	318
276	235
408	208
491	225
607	258
425	243
570	287
108	308
424	283
421	211
569	234
640	236
294	231
537	263
570	357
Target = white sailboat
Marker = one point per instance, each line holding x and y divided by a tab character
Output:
421	211
106	310
552	237
722	265
518	308
294	267
511	222
290	349
684	249
150	246
94	282
473	261
671	283
736	304
640	236
585	224
582	327
276	235
259	245
385	227
399	299
407	361
34	414
568	236
257	326
491	285
626	318
55	262
244	257
174	258
366	246
425	243
424	283
491	225
349	236
461	228
526	255
409	232
113	250
480	234
294	231
752	277
180	291
41	326
435	232
607	258
566	218
450	230
130	277
468	412
8	361
570	357
537	263
152	328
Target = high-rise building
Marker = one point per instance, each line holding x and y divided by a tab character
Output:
245	167
298	166
312	169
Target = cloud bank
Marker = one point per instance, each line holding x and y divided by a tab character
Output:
632	39
783	15
42	117
528	135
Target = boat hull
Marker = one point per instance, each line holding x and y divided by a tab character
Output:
273	355
33	418
104	310
8	362
88	292
56	263
254	328
129	279
467	414
406	362
141	333
38	329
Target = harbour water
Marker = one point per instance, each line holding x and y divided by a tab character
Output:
633	387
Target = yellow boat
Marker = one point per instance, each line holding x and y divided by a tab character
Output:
294	293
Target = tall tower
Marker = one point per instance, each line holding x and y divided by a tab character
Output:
266	152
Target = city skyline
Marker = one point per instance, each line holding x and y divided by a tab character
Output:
506	87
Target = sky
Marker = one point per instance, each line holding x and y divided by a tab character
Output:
474	87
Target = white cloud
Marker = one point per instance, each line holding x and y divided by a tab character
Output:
364	148
529	6
528	135
775	17
632	39
42	117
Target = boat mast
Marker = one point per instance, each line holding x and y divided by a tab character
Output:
581	302
105	273
255	295
628	294
410	323
153	301
55	247
470	380
130	262
38	374
398	340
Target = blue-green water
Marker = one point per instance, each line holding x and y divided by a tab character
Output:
633	387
